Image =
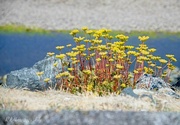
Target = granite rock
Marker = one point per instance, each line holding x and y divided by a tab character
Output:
71	117
148	81
27	78
153	83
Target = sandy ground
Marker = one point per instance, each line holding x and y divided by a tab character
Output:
14	99
127	15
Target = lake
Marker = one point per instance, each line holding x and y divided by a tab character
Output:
18	50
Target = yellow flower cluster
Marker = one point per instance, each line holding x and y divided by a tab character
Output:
78	39
50	53
63	74
171	57
69	45
88	72
105	67
59	47
61	56
122	37
143	38
162	61
119	66
39	73
47	80
74	32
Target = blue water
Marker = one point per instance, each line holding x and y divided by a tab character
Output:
23	50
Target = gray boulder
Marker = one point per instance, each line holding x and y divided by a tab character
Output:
27	77
150	82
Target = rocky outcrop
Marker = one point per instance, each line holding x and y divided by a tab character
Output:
147	81
71	117
27	77
155	84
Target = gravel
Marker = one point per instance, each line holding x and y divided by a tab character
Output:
66	117
126	15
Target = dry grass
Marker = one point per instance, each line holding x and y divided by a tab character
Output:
13	99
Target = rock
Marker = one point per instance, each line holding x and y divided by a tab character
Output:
177	84
150	82
175	74
129	91
27	78
170	92
1	81
138	93
77	117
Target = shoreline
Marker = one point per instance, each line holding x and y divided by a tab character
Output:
38	30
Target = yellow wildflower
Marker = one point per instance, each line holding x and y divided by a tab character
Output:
50	53
123	85
61	56
95	77
74	32
143	38
46	80
98	59
152	65
84	28
131	52
162	61
58	76
111	60
92	54
70	69
89	87
66	73
169	55
55	64
72	54
110	37
71	77
83	54
107	65
122	37
75	61
78	39
69	45
173	59
88	72
119	66
80	46
152	50
144	52
117	76
59	47
159	67
39	73
75	49
97	41
89	32
129	47
86	40
135	71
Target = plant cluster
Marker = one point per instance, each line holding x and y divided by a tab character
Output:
100	63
